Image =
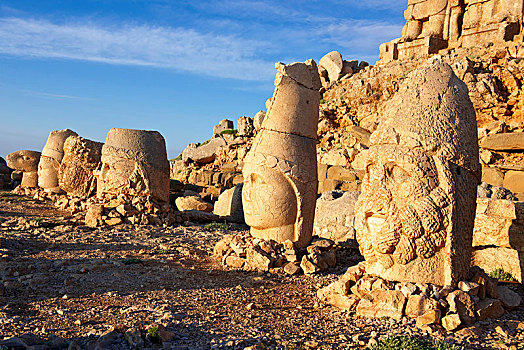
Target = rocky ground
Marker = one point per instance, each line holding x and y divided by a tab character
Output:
69	286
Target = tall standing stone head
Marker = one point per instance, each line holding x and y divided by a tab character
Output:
51	158
81	158
134	162
26	162
414	218
280	170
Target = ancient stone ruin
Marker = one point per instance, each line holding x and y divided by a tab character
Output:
51	159
435	25
26	163
280	172
414	218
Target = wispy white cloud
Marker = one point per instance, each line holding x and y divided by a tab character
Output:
45	94
362	37
224	56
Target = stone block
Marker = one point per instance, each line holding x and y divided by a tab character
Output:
333	64
492	176
489	308
509	299
334	215
419	305
491	258
193	203
229	204
341	173
204	153
322	171
500	223
382	303
514	181
513	141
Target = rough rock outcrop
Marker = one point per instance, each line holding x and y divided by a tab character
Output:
414	218
280	170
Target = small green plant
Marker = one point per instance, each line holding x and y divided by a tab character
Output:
131	261
402	342
217	226
161	251
501	275
229	132
322	101
152	332
179	157
490	44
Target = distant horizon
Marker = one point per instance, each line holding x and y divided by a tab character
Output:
178	68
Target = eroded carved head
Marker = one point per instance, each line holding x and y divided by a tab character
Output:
51	158
403	209
26	162
81	158
414	218
279	193
134	162
268	198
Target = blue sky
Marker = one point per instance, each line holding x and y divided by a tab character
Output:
178	67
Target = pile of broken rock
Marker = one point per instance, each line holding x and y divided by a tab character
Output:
477	299
243	251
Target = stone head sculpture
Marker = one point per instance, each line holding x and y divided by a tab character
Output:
280	170
134	162
76	173
51	158
414	218
26	162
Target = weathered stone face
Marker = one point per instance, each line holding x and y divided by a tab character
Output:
414	218
26	162
280	173
134	162
81	158
51	158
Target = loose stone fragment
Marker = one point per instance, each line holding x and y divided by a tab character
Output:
451	322
489	308
382	303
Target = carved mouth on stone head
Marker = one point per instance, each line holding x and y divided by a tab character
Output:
375	222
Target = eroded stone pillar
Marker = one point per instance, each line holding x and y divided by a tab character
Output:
280	170
134	162
26	162
414	218
76	173
51	158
